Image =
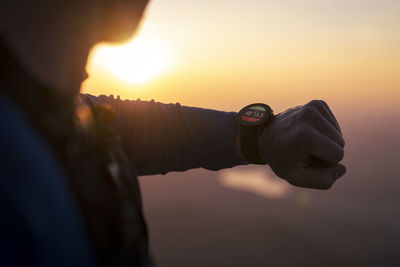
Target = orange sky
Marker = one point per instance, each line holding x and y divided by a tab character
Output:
230	53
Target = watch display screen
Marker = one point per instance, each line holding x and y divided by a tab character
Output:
254	114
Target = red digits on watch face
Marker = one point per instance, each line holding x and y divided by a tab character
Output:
250	119
254	115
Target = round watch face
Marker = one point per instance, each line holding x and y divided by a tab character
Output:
254	114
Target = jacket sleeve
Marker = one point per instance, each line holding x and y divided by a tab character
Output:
159	138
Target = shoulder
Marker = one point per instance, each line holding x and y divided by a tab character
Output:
40	215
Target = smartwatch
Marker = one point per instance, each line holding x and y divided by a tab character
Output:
252	119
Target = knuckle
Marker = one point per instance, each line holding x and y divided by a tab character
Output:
308	113
340	155
317	103
336	154
337	138
322	103
342	143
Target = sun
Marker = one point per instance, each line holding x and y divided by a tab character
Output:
138	61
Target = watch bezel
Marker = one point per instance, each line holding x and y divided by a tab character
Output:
255	124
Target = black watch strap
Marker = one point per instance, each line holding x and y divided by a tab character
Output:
248	140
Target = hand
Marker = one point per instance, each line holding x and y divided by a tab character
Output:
304	146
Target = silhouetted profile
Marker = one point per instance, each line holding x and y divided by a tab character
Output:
69	161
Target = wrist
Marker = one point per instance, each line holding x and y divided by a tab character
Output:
264	141
238	149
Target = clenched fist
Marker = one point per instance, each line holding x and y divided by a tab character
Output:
304	146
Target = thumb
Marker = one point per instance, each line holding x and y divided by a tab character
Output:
323	178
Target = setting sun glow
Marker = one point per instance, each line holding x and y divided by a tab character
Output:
137	61
281	52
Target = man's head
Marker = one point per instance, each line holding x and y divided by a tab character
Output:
52	39
120	19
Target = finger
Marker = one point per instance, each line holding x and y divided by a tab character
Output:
323	148
324	109
312	116
326	128
321	178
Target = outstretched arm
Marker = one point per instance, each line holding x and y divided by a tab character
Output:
303	145
160	138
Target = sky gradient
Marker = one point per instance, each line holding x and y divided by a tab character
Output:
228	54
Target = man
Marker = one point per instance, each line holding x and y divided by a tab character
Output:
69	192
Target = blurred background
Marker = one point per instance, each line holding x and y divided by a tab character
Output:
224	55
